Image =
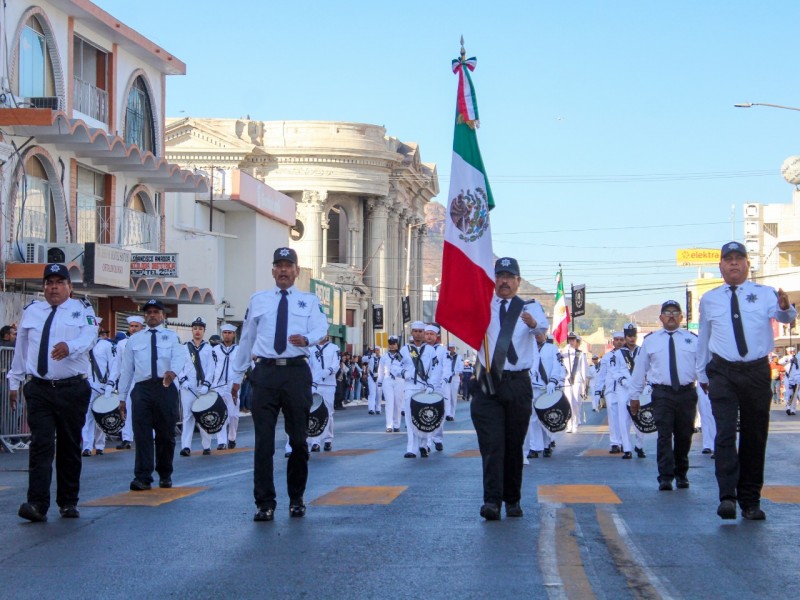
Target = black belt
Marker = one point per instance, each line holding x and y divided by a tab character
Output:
740	365
56	382
281	362
516	374
668	388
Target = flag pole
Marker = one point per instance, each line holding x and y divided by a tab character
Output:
488	369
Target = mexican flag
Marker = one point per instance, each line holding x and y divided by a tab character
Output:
560	312
467	260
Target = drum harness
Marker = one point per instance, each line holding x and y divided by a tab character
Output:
98	376
226	360
416	358
630	358
374	373
194	353
320	355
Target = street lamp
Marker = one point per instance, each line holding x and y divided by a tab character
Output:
751	104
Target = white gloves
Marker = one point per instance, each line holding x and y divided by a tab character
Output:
551	387
109	390
203	390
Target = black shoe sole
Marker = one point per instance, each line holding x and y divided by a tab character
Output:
31	513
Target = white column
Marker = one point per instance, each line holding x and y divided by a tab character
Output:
311	245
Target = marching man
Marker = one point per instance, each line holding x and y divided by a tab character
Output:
198	369
391	386
223	356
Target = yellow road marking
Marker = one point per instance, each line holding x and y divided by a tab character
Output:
570	565
231	450
783	494
347	496
154	497
578	494
599	452
467	454
4	488
347	452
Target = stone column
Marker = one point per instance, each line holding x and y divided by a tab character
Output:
310	246
420	266
377	243
395	259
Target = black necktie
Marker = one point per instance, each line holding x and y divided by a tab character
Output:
153	355
738	327
673	365
44	344
282	325
511	355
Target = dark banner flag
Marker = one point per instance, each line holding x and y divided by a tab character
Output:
688	306
406	309
377	316
578	300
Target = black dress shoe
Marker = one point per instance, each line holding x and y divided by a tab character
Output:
231	444
727	509
206	451
372	412
315	448
707	451
388	430
327	447
423	452
532	454
409	455
753	513
449	418
490	512
165	483
396	429
222	447
264	514
640	452
287	455
297	511
627	455
553	444
377	412
32	512
185	452
513	509
86	453
140	486
98	452
439	446
547	453
614	449
665	486
69	512
123	445
682	483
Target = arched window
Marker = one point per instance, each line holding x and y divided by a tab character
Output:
140	224
139	123
337	235
36	82
35	213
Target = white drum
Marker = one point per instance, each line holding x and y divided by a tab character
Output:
318	416
553	410
644	420
210	412
427	411
107	414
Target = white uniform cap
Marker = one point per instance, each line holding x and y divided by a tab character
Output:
228	327
135	319
417	325
432	328
617	334
365	359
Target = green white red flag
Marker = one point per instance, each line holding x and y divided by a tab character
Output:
560	312
467	260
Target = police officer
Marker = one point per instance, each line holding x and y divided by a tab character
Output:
280	327
503	393
391	386
53	342
735	338
150	363
195	380
575	384
224	354
103	374
667	362
135	324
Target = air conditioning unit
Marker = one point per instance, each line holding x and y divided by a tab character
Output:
50	102
61	253
751	211
28	252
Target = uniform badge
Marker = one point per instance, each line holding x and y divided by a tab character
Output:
751	298
301	303
89	319
284	252
165	337
76	315
688	340
505	262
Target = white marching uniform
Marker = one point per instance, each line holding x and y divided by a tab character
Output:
547	361
192	387
127	430
592	383
392	387
575	384
791	380
707	423
103	374
223	357
454	368
373	391
324	363
429	379
444	389
621	371
608	388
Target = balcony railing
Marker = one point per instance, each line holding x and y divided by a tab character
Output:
93	222
140	231
90	100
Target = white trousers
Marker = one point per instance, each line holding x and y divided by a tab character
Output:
438	435
127	428
373	395
91	432
327	392
574	395
707	422
229	431
454	384
538	435
787	397
187	398
393	401
614	406
625	423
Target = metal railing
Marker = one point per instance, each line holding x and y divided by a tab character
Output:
90	100
13	423
140	230
93	222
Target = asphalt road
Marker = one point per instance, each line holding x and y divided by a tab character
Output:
381	526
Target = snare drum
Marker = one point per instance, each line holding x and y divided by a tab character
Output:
644	420
107	414
210	412
318	416
427	411
553	410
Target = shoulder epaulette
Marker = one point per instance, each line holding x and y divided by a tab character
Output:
646	335
85	302
34	301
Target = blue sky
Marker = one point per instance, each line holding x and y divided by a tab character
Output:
607	128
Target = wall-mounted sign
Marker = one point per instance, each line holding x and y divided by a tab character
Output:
154	265
106	265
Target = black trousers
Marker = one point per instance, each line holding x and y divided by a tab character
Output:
276	389
55	418
501	422
674	414
740	390
155	409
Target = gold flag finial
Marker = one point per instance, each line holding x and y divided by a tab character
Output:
463	51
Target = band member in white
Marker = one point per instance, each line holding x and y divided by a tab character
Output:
391	386
373	391
324	362
621	371
791	379
433	339
103	374
608	390
223	356
454	368
575	383
421	371
135	324
547	375
195	380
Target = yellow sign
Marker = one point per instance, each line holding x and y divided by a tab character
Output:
697	256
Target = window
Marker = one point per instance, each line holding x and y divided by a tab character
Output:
350	317
139	124
35	213
90	75
35	69
337	235
92	218
141	227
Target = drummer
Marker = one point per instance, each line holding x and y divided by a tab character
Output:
324	363
224	354
195	380
433	338
422	372
547	375
135	324
608	390
667	362
391	386
621	371
103	373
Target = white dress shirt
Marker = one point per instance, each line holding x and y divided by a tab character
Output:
523	337
652	362
135	362
757	305
305	317
324	363
554	369
74	323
